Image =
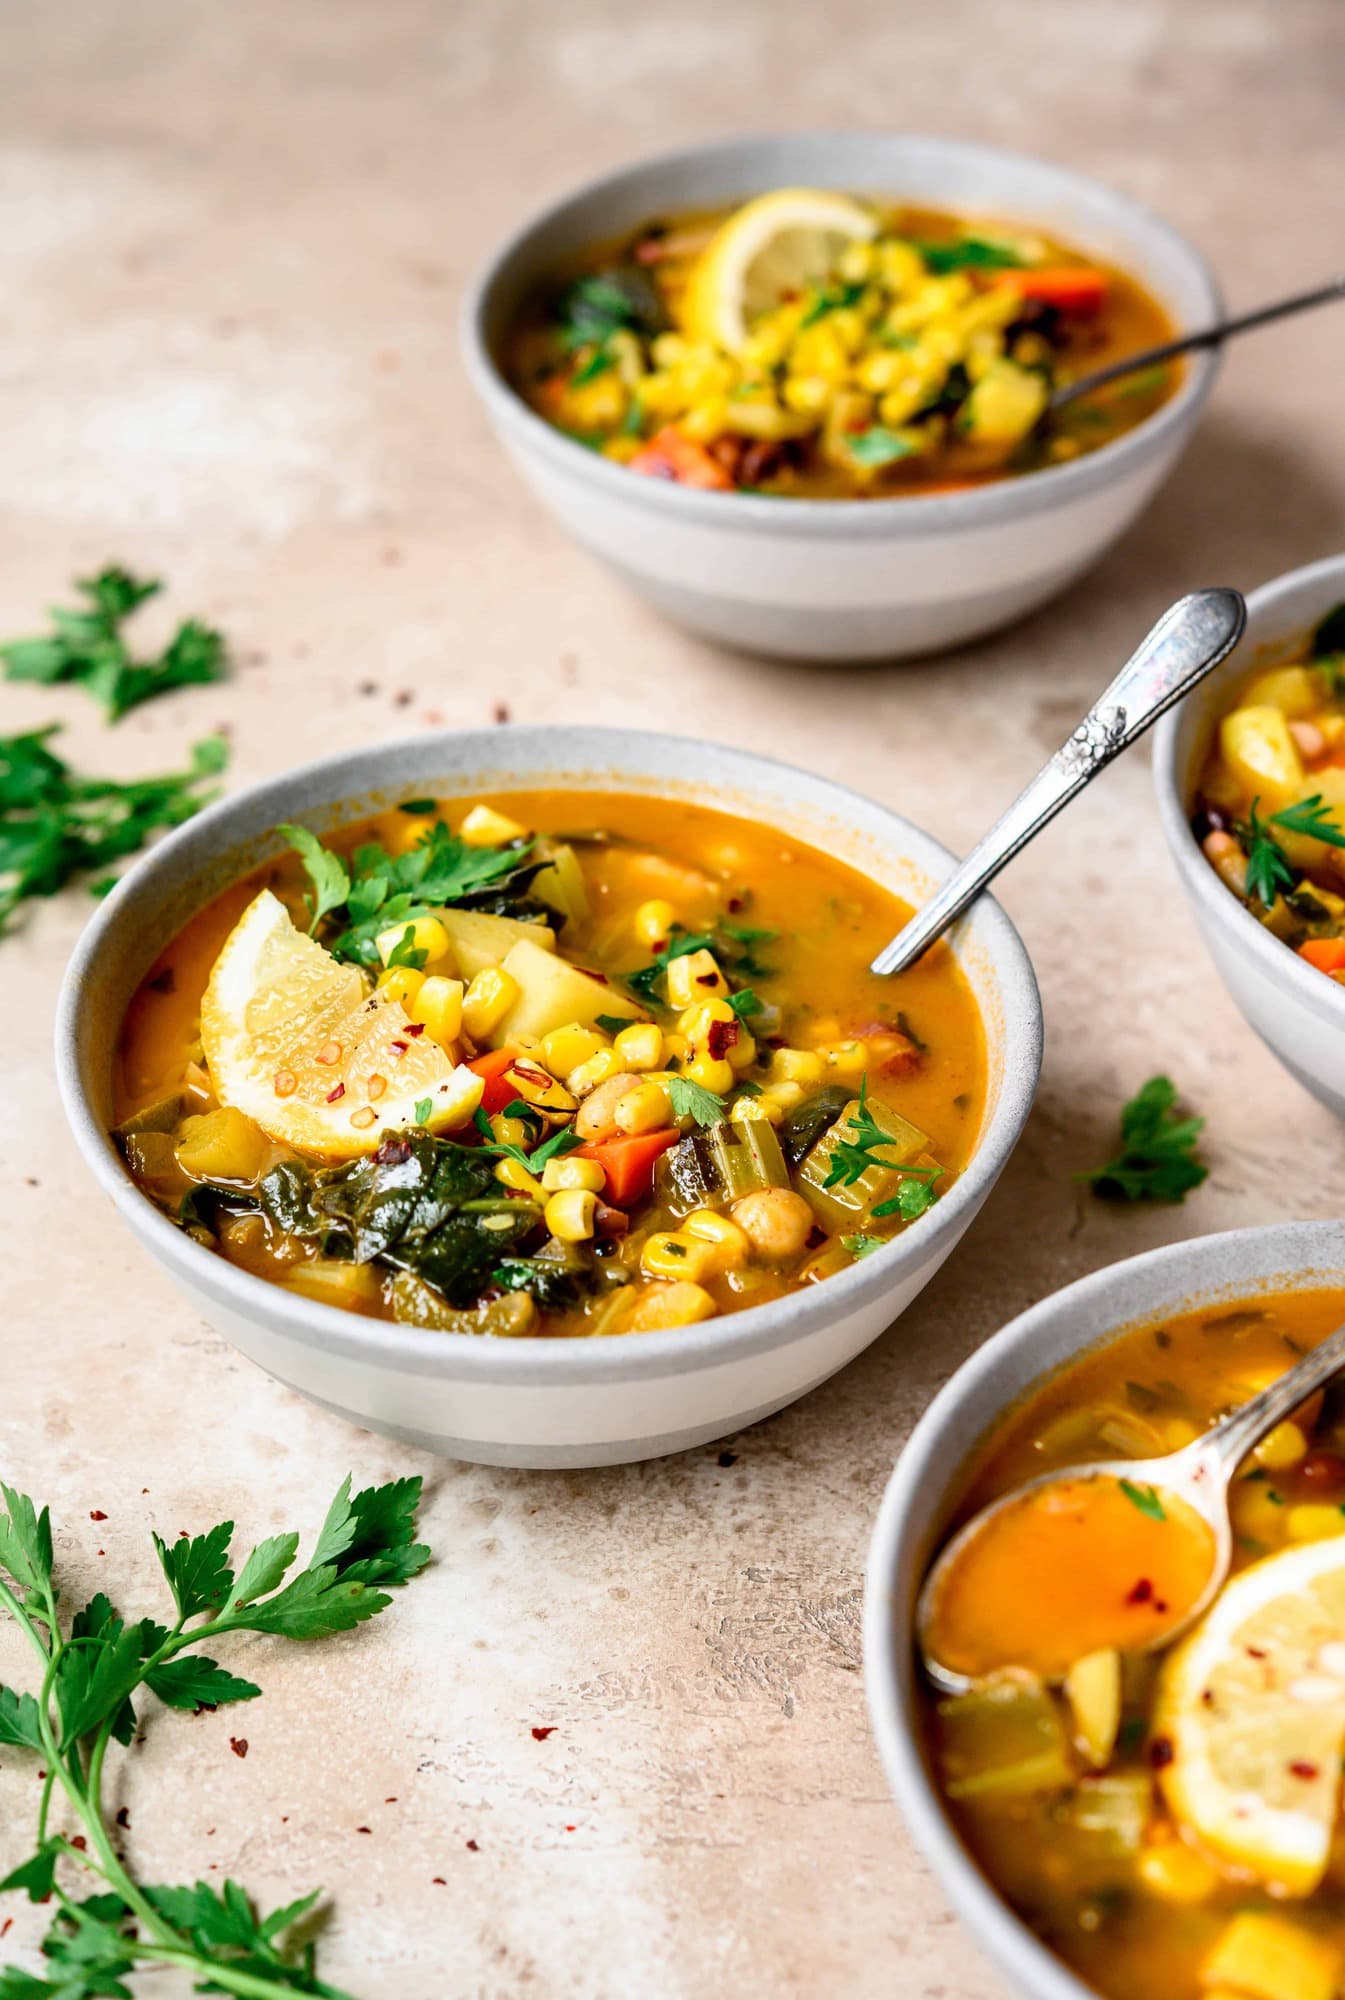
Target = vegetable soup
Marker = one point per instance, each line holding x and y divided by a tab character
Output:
807	344
1166	1821
1270	805
561	1063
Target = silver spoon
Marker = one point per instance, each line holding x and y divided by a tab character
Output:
1187	643
1186	343
1198	1474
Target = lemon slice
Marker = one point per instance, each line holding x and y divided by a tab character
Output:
1251	1717
766	252
299	1043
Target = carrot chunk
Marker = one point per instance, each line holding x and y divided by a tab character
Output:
670	454
493	1067
1074	288
1327	954
628	1162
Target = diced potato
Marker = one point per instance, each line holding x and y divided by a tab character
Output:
1005	1737
843	1208
1270	1957
480	940
223	1146
485	827
679	1304
1093	1691
1108	1816
561	884
1296	691
1256	743
1005	404
554	993
353	1287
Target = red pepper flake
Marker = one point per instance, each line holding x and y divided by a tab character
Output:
239	1745
570	1829
540	1735
1142	1592
499	713
6	1927
391	1801
403	697
334	1096
414	1029
1256	1652
364	1829
399	1048
1207	1697
123	1816
721	1037
97	1514
1161	1752
707	979
472	1847
1299	1769
78	1840
727	1458
438	1880
816	1235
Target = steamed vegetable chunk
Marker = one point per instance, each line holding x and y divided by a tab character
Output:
564	1063
1269	811
812	345
1166	1817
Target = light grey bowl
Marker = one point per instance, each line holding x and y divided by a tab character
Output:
846	579
542	1402
923	1492
1297	1011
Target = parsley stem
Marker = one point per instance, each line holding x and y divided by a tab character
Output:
111	1867
230	1979
18	1613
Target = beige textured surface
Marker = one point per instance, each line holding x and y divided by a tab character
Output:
234	242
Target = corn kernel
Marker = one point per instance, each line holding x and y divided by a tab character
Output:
711	1071
782	1097
797	1066
654	921
510	1131
645	1109
586	1076
569	1214
438	1006
669	1305
729	1242
743	1053
696	1020
1177	1873
746	1109
694	976
488	999
512	1174
640	1047
426	934
1281	1448
572	1173
1258	1511
565	1048
1313	1523
675	1046
846	1058
666	1255
537	1086
400	982
484	827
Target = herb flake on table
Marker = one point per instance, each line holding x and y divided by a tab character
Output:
94	1666
55	824
1157	1160
87	645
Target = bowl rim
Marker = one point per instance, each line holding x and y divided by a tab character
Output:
541	1359
1322	997
1012	1947
936	513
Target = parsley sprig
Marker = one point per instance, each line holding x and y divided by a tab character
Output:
55	824
95	1667
563	1140
1157	1160
1269	871
1145	1498
853	1157
87	645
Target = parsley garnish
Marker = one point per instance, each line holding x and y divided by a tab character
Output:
645	981
745	1003
1145	1498
878	446
98	1663
1269	872
693	1100
326	871
595	307
86	645
852	1158
1157	1160
55	824
861	1245
830	299
563	1140
968	253
424	1110
612	1024
913	1197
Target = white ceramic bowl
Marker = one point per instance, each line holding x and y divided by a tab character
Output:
923	1492
846	579
1297	1011
542	1402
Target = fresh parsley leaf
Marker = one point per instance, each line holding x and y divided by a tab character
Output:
645	982
326	871
94	1678
852	1157
1145	1498
86	646
37	1875
315	1604
878	446
745	1003
407	952
198	1569
913	1197
55	824
264	1568
192	1681
861	1245
20	1723
1268	871
439	869
1157	1160
975	253
612	1024
598	363
371	1538
424	1110
25	1540
1312	817
602	303
829	299
418	807
693	1100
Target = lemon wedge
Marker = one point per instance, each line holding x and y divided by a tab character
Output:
299	1044
1250	1717
766	252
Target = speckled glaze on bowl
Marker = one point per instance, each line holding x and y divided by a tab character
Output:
923	1492
542	1402
846	579
1298	1013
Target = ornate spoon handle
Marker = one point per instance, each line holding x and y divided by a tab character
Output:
1188	641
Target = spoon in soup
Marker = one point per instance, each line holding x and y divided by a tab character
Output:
1123	1555
1188	642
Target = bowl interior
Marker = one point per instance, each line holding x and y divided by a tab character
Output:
975	180
929	1479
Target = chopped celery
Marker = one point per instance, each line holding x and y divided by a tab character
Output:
1108	1815
415	1303
161	1116
1271	1957
848	1207
1004	1738
720	1164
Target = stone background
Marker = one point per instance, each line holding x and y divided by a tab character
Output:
234	241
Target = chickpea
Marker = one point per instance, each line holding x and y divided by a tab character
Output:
596	1116
778	1221
1309	738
